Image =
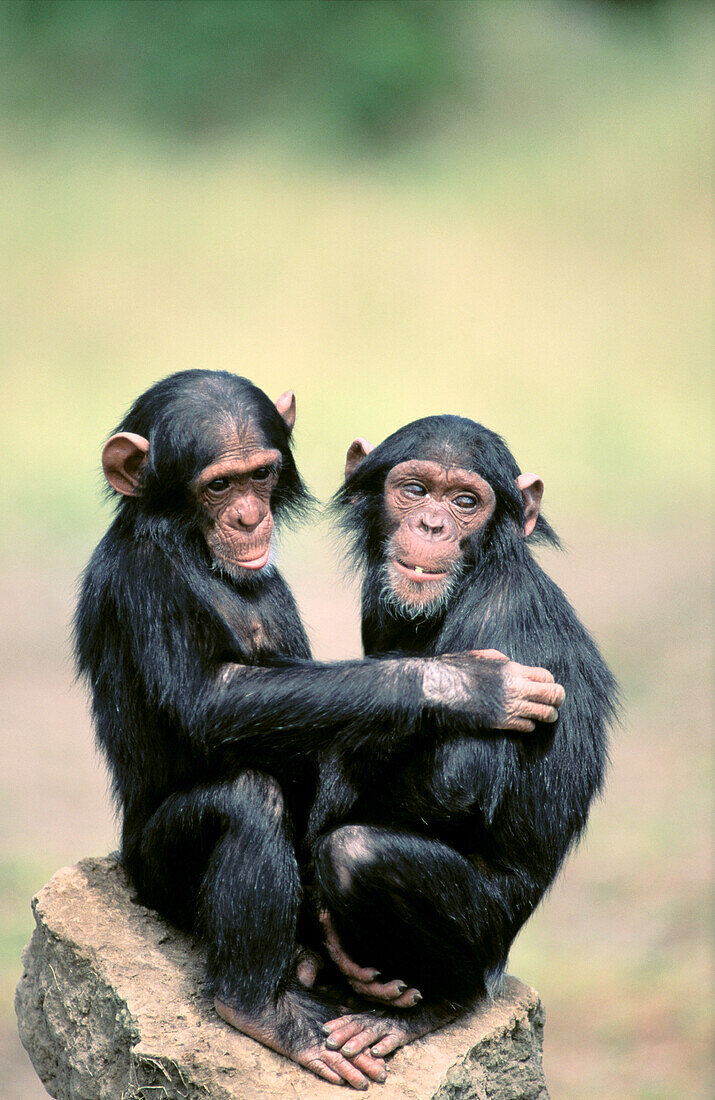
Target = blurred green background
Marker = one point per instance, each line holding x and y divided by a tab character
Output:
497	209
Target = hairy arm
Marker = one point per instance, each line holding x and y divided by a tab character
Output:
526	695
297	707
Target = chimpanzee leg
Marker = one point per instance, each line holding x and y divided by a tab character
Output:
406	904
218	860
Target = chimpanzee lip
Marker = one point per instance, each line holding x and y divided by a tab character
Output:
411	571
256	563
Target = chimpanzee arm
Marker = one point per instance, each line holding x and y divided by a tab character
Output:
293	708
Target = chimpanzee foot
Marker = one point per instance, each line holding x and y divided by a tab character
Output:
378	1033
293	1027
363	979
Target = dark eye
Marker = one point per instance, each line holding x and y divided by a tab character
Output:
414	489
467	501
218	485
262	473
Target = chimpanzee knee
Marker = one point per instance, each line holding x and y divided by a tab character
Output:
341	853
193	832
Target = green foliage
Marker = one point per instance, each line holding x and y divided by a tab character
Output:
352	73
193	66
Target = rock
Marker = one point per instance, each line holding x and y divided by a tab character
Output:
111	1007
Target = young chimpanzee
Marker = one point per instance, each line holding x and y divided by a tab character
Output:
207	705
453	840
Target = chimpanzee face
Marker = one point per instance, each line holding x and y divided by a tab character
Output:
234	498
431	510
231	495
417	509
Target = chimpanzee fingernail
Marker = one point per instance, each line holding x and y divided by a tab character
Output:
401	987
374	975
325	1029
416	998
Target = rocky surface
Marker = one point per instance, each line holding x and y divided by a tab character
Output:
111	1007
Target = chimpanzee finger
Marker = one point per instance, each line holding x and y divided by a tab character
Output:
520	725
362	1041
320	1069
387	1044
489	654
558	697
550	694
541	674
346	1069
540	713
339	1021
394	993
347	1027
408	999
371	1065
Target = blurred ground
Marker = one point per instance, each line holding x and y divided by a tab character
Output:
619	951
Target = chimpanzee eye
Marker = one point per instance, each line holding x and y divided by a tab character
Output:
414	489
467	501
262	473
218	485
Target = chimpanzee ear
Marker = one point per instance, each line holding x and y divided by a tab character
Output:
357	451
531	488
286	407
123	456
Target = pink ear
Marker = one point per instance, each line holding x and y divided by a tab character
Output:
357	451
286	407
531	488
123	456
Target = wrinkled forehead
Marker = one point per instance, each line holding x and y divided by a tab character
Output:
241	435
228	433
450	453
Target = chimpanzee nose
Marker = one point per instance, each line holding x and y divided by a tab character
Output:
431	523
247	514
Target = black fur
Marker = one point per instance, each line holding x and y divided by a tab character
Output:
447	847
212	736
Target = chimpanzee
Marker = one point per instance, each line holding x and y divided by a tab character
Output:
206	703
451	839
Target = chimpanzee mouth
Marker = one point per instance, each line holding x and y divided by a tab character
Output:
255	563
240	568
418	572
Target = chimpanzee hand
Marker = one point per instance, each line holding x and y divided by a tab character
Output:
363	979
530	695
499	693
